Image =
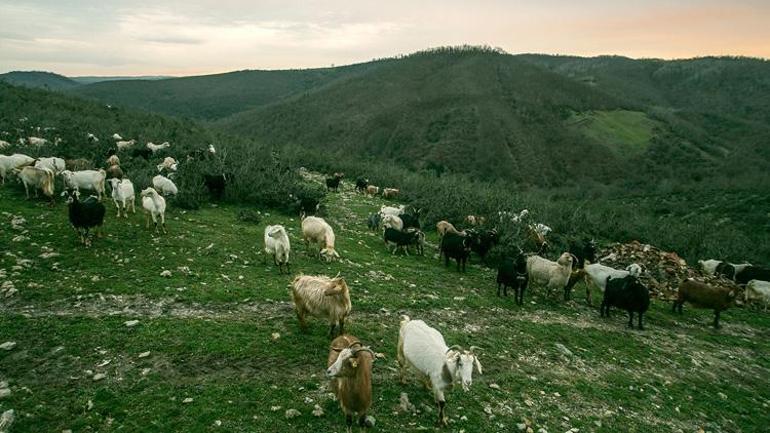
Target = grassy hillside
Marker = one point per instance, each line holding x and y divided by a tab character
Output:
37	79
217	345
99	79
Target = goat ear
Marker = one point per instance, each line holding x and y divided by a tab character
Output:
477	363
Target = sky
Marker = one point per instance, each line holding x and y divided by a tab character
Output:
189	37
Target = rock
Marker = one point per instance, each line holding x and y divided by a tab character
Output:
165	273
187	400
8	345
721	395
370	421
99	376
5	392
308	400
291	413
218	423
275	408
317	411
144	354
275	335
404	404
563	349
542	430
131	323
521	426
494	386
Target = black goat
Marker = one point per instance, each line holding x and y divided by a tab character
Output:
141	152
513	273
361	184
215	183
411	220
307	206
456	247
333	183
752	273
628	294
374	220
585	250
403	239
482	241
84	215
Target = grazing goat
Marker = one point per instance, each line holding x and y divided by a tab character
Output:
37	178
596	275
78	164
15	161
123	194
513	273
317	231
277	245
374	221
403	240
168	163
56	165
333	183
475	220
390	193
324	297
141	152
154	207
372	190
393	222
709	266
84	215
626	293
164	185
749	273
455	247
554	275
390	210
422	349
349	367
156	147
757	290
702	295
361	184
85	179
215	183
444	227
411	219
125	144
37	141
482	241
113	160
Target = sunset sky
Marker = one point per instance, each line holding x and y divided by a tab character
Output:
180	37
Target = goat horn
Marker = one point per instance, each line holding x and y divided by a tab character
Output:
474	348
363	349
354	344
454	347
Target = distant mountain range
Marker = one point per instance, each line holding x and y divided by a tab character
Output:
52	81
535	119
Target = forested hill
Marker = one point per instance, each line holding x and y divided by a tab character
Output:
531	119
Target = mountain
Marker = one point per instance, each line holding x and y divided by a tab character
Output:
98	79
39	79
534	119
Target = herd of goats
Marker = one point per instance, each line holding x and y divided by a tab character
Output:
421	348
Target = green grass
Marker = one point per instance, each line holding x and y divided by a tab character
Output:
210	337
625	132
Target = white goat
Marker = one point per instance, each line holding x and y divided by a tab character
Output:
596	275
757	290
37	141
122	195
37	178
321	296
4	144
393	222
92	138
317	231
277	245
154	206
156	147
122	145
390	210
116	136
85	179
422	349
8	163
554	275
113	160
164	185
56	165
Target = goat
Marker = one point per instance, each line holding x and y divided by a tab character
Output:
123	194
749	273
554	275
85	179
56	165
317	231
513	273
277	245
596	275
15	161
456	247
114	172
156	147
422	349
164	185
321	296
444	227
361	184
702	295
372	190
215	183
390	193
84	215
37	178
402	240
113	160
393	222
374	221
482	241
333	183
628	294
349	366
125	144
154	206
757	290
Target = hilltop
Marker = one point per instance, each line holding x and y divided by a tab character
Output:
39	79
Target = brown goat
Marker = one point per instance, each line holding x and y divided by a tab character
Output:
372	190
702	295
77	164
114	172
350	369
